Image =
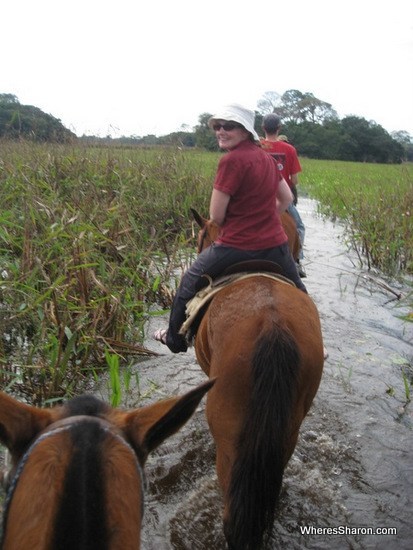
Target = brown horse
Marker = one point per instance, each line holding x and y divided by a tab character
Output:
261	339
77	479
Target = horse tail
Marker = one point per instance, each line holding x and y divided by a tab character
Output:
258	470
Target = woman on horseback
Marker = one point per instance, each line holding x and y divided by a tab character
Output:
248	196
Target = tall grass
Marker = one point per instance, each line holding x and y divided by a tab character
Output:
92	241
375	202
80	234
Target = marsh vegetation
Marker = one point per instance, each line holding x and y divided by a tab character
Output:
93	241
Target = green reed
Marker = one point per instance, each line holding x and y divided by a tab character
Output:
89	241
92	242
115	385
375	202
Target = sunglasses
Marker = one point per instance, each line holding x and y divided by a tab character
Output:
227	126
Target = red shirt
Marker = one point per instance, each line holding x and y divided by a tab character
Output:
286	157
251	178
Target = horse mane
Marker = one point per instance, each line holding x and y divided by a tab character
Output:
88	405
71	456
83	485
258	471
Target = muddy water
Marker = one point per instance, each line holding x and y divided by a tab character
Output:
353	466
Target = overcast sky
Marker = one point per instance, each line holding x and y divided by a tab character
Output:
135	67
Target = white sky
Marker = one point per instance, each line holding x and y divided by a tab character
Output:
134	67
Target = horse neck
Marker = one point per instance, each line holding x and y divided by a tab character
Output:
207	235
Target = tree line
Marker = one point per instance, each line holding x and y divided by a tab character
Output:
316	131
310	124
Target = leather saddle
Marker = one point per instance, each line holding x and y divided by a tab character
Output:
254	265
198	305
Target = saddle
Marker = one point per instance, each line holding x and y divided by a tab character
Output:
254	266
197	306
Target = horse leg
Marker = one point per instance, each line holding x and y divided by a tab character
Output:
225	426
225	458
225	412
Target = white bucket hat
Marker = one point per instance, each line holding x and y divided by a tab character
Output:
236	113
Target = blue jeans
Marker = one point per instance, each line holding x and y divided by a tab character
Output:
213	261
300	227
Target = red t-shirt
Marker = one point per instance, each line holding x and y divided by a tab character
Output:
286	157
251	178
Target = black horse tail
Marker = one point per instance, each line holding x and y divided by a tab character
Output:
258	471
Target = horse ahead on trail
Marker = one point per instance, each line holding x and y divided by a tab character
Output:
261	338
77	480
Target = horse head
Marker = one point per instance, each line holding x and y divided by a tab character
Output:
208	231
77	469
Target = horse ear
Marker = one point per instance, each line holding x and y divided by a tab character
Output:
149	426
20	424
198	218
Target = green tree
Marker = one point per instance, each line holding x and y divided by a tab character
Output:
289	107
315	110
8	99
296	106
371	143
204	137
312	125
180	139
268	103
26	121
406	141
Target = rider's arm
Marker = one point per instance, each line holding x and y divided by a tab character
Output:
294	183
218	206
284	196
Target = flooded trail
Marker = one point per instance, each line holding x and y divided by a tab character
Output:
352	468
